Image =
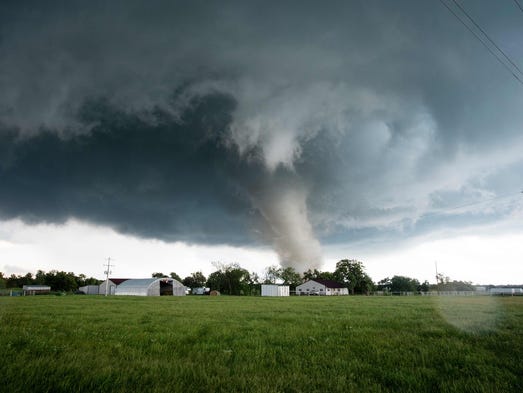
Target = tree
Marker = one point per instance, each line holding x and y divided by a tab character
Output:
158	275
287	276
57	280
290	277
424	287
457	286
92	281
216	280
175	276
61	281
40	277
462	286
404	284
195	280
441	279
366	285
237	280
199	278
255	278
230	279
445	284
272	274
14	281
317	274
384	284
352	274
80	280
3	281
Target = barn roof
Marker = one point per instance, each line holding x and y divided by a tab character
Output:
137	282
36	287
329	283
118	281
145	282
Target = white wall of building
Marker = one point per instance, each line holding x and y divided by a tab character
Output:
90	289
311	288
275	290
111	288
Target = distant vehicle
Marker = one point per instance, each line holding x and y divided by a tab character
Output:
201	291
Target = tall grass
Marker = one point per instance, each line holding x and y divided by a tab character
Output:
244	344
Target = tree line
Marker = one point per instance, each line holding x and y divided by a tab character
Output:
57	280
232	279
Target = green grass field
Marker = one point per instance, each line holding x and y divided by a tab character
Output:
254	344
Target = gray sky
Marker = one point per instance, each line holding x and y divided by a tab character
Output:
352	129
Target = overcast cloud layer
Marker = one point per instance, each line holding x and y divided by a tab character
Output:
245	123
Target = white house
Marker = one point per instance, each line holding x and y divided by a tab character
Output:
322	288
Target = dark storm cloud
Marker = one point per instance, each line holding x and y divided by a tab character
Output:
288	120
162	178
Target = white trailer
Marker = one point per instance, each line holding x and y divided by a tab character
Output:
274	290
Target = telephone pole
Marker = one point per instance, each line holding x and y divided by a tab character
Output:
107	272
437	276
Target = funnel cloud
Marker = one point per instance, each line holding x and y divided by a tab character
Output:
288	125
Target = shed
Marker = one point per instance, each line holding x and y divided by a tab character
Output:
151	287
274	290
322	288
36	289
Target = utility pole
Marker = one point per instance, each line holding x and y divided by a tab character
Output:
437	275
107	272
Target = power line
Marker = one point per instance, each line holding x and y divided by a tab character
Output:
480	39
487	36
448	210
458	207
518	5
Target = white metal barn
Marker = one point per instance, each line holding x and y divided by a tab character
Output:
151	287
321	288
274	290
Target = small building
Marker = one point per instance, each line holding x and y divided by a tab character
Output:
90	289
274	290
151	287
36	289
319	287
111	287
